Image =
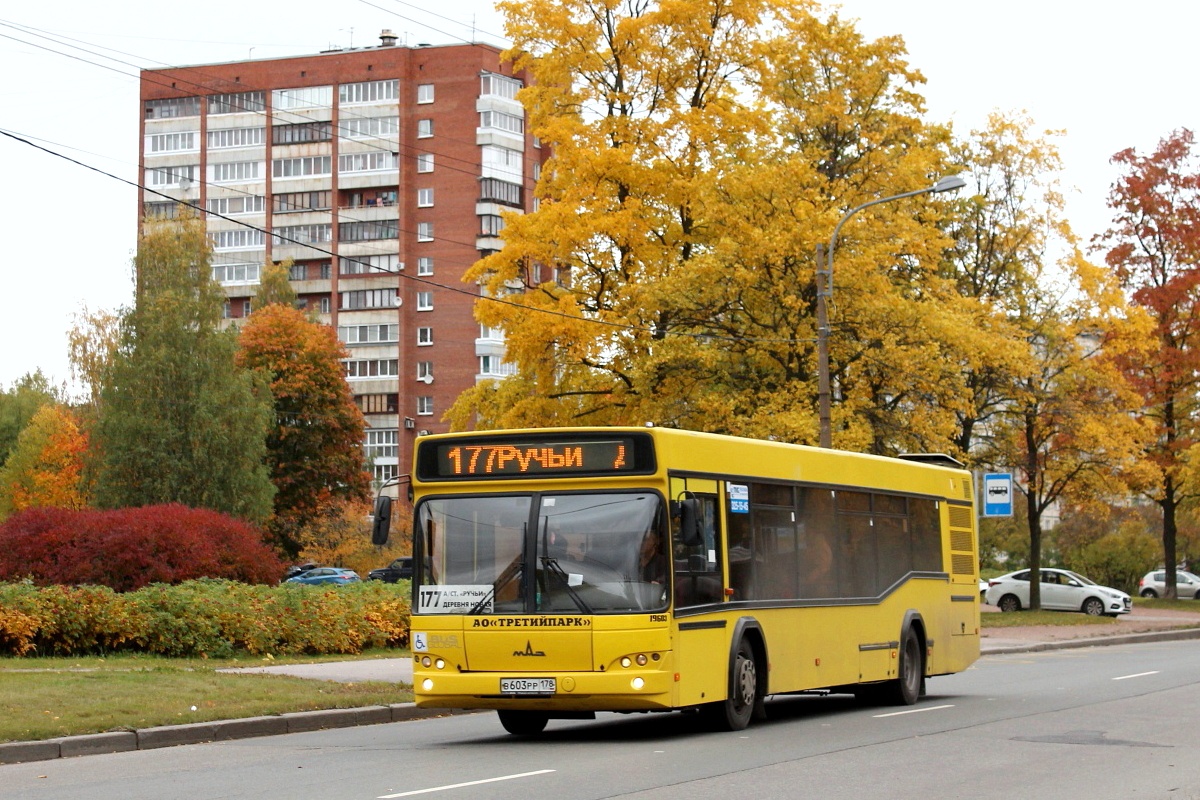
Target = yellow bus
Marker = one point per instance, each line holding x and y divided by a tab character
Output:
561	572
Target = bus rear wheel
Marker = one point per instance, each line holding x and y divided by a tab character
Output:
523	723
735	712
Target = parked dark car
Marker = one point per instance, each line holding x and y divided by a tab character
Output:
399	569
298	569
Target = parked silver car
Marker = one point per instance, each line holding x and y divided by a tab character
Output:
1154	584
1061	590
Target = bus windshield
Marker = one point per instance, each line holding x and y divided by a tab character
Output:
571	553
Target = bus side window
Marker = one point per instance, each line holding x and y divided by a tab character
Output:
697	569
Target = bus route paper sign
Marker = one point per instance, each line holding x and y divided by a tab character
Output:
739	498
454	599
997	495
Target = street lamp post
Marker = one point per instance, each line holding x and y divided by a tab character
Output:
825	291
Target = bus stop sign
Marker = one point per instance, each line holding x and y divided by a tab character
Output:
997	495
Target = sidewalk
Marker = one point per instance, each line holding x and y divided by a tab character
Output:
1133	628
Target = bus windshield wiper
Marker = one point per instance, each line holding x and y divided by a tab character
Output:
504	579
553	567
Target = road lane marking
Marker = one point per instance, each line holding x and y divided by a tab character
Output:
1138	675
912	711
468	783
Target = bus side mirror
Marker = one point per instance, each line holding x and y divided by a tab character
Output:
689	522
382	523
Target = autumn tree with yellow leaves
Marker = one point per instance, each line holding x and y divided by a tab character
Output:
700	151
46	467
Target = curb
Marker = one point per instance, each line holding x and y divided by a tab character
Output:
305	721
215	731
1097	641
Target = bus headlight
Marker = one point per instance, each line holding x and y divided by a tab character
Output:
427	685
641	659
440	664
625	662
637	683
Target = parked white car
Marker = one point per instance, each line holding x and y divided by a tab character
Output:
1154	584
1061	590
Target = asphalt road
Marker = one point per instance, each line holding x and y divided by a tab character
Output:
1095	723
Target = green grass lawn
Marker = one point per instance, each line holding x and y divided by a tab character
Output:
41	698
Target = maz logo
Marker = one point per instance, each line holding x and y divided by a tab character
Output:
529	651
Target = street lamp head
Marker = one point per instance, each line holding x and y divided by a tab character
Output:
949	184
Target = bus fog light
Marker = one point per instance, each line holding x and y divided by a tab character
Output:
441	664
637	683
427	685
625	662
641	659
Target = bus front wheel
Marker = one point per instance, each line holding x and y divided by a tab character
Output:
735	712
523	723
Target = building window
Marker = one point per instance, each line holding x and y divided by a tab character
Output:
239	239
377	403
302	201
425	265
425	93
369	334
303	234
368	127
385	473
369	91
371	368
382	442
227	138
326	270
171	142
505	163
296	272
307	166
425	371
173	107
490	224
359	265
424	301
424	406
369	230
324	304
425	197
493	366
369	298
424	231
227	310
245	308
424	128
171	176
493	190
241	204
425	162
499	85
237	103
306	97
498	120
235	171
237	274
367	162
302	132
424	337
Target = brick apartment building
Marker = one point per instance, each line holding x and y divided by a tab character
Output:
381	173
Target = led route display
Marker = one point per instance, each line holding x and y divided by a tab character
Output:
514	459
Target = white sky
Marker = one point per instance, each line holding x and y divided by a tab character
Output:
1112	76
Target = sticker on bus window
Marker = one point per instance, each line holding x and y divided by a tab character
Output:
739	498
455	599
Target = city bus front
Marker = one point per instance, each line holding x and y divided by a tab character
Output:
541	596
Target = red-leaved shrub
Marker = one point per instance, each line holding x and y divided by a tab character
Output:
129	548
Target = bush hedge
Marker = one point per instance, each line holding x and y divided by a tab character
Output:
202	618
126	549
